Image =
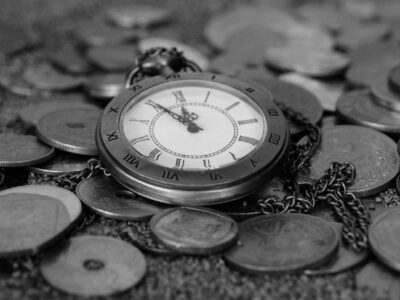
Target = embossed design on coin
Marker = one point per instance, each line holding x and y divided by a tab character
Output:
108	198
373	154
71	130
282	243
194	230
32	216
22	150
94	266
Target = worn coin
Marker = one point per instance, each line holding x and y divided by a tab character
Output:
32	216
194	230
383	237
297	98
22	150
344	259
358	107
107	197
94	266
373	154
394	78
69	60
327	92
71	130
61	163
105	86
282	243
134	16
384	95
191	53
113	58
306	60
45	77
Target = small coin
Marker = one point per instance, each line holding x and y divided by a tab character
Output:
31	114
70	61
373	154
22	150
33	216
383	281
327	92
344	259
298	99
394	78
358	107
45	77
113	58
96	33
71	130
61	163
135	16
105	86
94	266
194	230
383	237
306	60
108	198
15	38
384	95
189	52
282	243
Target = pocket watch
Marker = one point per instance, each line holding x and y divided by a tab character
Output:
192	138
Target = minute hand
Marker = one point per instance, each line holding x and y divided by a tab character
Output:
184	119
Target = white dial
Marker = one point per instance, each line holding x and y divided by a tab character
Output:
194	126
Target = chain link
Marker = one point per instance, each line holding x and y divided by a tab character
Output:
331	187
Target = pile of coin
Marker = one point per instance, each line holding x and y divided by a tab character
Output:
336	64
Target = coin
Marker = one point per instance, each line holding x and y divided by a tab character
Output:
373	154
297	98
22	150
383	233
31	114
344	259
194	230
189	52
61	163
329	121
134	16
15	38
384	95
45	77
71	130
282	243
240	210
70	61
108	198
363	10
375	208
358	107
327	92
306	60
376	52
33	216
94	266
113	58
105	86
394	78
383	281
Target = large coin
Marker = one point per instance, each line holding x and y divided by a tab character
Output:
383	237
61	163
373	154
358	107
113	58
71	130
22	150
94	266
194	230
283	243
108	198
32	216
384	95
344	259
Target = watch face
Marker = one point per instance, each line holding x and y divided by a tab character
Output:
193	125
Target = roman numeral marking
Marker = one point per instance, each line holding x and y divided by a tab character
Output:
179	97
272	112
249	140
112	136
208	95
170	175
232	105
173	76
207	163
254	162
132	160
155	154
113	109
154	105
139	139
179	163
233	155
215	176
274	138
146	122
136	87
248	121
250	90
